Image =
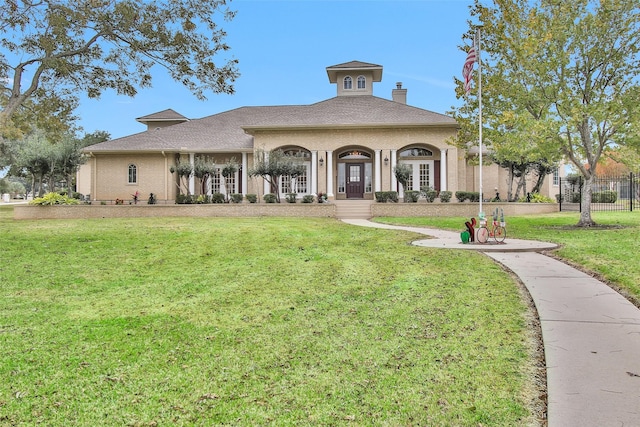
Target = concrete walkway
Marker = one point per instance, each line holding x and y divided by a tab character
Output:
591	333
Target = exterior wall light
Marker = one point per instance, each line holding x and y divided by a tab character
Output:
386	161
321	161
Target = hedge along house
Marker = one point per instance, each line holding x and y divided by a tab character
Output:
349	144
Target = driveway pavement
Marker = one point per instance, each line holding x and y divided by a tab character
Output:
591	333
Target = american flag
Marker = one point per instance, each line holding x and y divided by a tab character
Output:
467	69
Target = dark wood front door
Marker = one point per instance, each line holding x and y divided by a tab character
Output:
355	180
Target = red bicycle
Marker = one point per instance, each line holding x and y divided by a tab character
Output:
497	230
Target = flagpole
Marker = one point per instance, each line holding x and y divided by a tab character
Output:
480	213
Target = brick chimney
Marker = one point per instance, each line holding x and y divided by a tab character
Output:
399	94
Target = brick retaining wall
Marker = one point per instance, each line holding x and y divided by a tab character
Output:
272	209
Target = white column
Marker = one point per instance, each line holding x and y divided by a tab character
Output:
192	178
378	168
314	173
244	174
329	161
443	169
394	181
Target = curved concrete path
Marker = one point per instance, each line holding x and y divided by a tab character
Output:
591	333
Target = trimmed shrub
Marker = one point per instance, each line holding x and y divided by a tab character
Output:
461	196
386	196
202	199
429	194
236	198
51	199
411	196
269	198
445	196
185	199
307	198
218	198
291	197
606	196
536	198
472	196
251	198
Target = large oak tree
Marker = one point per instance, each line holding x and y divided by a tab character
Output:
52	50
564	74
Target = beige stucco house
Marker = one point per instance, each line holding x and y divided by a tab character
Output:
350	145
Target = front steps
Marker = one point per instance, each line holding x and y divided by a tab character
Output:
353	209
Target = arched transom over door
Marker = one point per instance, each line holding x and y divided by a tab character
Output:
425	168
355	173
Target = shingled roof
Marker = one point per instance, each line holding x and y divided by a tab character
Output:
230	130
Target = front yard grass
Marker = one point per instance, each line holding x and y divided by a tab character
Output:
609	250
262	321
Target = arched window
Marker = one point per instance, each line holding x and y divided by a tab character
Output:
133	174
416	152
362	82
348	83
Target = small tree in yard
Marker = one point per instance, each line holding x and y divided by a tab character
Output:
203	169
229	170
184	171
274	165
403	174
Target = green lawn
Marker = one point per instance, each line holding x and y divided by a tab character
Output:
265	321
610	250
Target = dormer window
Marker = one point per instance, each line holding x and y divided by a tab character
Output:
348	83
362	82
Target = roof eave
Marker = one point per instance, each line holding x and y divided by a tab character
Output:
253	128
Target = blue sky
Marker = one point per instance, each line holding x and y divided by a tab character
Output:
284	47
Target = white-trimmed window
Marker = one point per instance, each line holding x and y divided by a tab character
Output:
556	177
425	175
216	181
348	83
133	174
362	82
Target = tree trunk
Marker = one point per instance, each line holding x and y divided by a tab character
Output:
536	188
510	185
585	214
521	186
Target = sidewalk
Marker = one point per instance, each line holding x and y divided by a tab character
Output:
591	333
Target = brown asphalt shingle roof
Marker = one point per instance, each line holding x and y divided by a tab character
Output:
226	131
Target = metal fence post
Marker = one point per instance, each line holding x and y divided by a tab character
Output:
632	192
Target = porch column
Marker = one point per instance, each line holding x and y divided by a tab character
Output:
314	172
330	174
394	181
378	169
443	169
244	174
192	178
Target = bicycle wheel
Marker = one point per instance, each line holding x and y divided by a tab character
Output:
500	233
482	235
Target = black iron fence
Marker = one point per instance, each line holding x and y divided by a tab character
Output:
608	193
